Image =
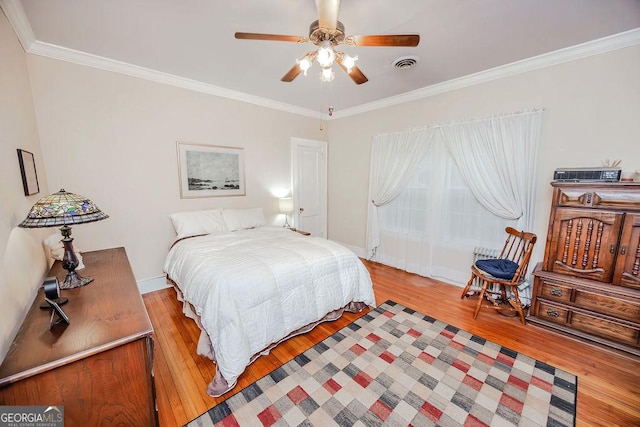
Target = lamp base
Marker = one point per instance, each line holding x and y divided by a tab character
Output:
70	262
74	280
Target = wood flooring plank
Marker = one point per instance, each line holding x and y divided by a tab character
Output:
165	397
184	381
608	381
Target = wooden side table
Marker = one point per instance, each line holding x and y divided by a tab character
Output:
304	233
99	366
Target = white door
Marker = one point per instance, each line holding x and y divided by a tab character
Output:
309	170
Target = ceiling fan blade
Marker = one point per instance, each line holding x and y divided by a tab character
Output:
356	75
291	74
328	13
409	40
271	37
296	69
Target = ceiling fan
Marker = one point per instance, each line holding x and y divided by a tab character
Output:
327	33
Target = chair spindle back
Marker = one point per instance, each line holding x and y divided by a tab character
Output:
517	248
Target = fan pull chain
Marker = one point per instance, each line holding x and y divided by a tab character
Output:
326	99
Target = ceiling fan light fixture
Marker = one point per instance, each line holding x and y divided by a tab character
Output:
305	63
326	55
349	62
327	74
327	32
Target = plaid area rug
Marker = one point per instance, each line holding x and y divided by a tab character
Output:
397	367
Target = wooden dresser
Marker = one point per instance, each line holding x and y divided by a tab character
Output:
589	283
99	367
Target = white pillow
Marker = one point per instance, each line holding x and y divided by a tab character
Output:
240	219
198	222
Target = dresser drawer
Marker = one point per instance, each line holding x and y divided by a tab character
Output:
600	198
555	291
590	323
551	312
619	199
614	306
605	328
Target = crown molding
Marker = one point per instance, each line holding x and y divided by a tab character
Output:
18	19
21	26
95	61
594	47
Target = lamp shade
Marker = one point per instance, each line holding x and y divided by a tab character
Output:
62	208
285	204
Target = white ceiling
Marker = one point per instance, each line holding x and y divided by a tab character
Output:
194	40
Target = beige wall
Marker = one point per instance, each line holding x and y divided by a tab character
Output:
112	138
592	113
22	259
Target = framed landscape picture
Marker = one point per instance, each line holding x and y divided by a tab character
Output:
210	171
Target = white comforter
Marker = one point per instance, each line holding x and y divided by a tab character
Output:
252	288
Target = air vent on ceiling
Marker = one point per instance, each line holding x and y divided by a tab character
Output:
405	62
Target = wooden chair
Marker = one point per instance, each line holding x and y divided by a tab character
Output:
517	249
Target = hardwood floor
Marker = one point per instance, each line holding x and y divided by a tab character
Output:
608	381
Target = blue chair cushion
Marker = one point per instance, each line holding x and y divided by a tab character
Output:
500	268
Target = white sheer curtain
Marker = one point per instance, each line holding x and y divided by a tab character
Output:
497	158
473	178
394	157
435	223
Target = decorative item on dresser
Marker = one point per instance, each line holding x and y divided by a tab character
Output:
589	283
99	366
65	209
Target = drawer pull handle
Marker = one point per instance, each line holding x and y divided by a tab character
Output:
623	250
552	312
612	249
556	292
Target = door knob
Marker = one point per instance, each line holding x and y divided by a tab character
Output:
301	210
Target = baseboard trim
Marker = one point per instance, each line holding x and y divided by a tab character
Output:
355	249
153	284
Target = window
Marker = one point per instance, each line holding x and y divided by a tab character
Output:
432	225
435	223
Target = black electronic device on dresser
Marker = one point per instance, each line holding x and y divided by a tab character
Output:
589	283
587	174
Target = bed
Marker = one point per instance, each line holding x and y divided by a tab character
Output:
249	286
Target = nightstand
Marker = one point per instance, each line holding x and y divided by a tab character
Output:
304	233
100	365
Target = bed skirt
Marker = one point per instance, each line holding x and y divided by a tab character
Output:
219	385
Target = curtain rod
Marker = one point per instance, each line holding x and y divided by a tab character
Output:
461	122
